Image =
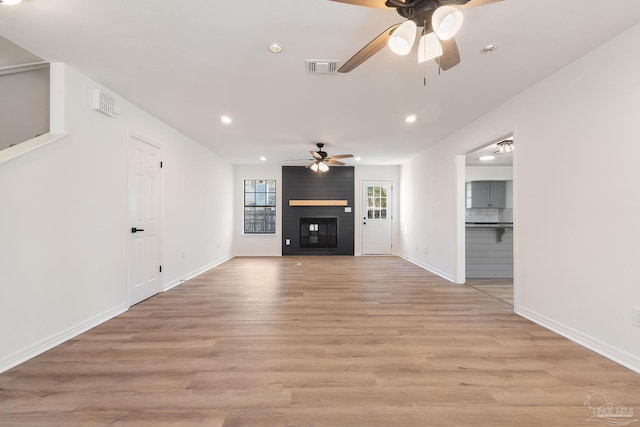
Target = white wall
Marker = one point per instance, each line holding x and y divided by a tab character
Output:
24	106
489	173
63	221
377	173
576	198
248	244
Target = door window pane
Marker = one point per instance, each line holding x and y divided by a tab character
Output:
377	202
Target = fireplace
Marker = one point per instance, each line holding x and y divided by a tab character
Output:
313	224
318	232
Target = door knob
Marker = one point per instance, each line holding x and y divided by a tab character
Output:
135	230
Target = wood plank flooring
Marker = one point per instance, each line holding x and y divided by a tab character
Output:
501	289
314	341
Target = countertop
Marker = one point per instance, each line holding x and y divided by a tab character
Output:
489	224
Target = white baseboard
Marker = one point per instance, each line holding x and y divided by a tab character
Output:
620	356
40	347
432	269
194	273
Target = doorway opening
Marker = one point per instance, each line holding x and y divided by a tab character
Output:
486	225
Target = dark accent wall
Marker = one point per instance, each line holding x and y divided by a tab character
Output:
300	183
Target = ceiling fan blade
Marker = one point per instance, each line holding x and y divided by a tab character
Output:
368	51
335	162
379	4
316	155
475	3
450	54
341	156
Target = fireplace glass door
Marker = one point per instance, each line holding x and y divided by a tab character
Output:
318	232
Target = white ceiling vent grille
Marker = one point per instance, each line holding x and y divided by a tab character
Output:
315	66
104	104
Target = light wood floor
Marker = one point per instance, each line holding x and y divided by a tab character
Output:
315	341
501	289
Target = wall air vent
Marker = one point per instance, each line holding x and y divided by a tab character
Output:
104	104
315	66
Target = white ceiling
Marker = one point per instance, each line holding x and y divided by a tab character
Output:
189	62
500	159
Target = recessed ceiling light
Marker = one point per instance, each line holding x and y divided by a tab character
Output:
411	119
487	158
275	48
263	158
358	159
490	48
225	119
10	2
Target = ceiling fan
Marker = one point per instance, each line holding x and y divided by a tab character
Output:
321	159
440	21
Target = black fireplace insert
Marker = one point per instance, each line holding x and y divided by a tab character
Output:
318	232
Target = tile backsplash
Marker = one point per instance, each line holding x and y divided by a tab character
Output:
489	215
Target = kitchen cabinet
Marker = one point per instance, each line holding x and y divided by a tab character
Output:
487	194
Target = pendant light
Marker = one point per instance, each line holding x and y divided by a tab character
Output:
402	39
429	47
446	22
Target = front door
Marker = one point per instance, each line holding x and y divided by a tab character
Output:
145	189
376	221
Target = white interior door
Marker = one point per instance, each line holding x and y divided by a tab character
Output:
376	221
145	185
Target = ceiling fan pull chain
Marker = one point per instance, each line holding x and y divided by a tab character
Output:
424	70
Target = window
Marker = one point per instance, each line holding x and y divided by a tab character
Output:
260	206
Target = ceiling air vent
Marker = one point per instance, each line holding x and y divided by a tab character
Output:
315	66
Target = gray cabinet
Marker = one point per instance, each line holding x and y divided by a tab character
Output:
487	194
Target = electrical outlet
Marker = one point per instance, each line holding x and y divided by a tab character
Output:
636	316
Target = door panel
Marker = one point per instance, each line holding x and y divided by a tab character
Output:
376	221
144	277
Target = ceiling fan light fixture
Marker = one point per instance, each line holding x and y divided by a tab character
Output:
322	167
314	167
429	47
402	39
446	22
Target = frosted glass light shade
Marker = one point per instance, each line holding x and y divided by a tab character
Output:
323	167
314	167
429	47
446	22
402	39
